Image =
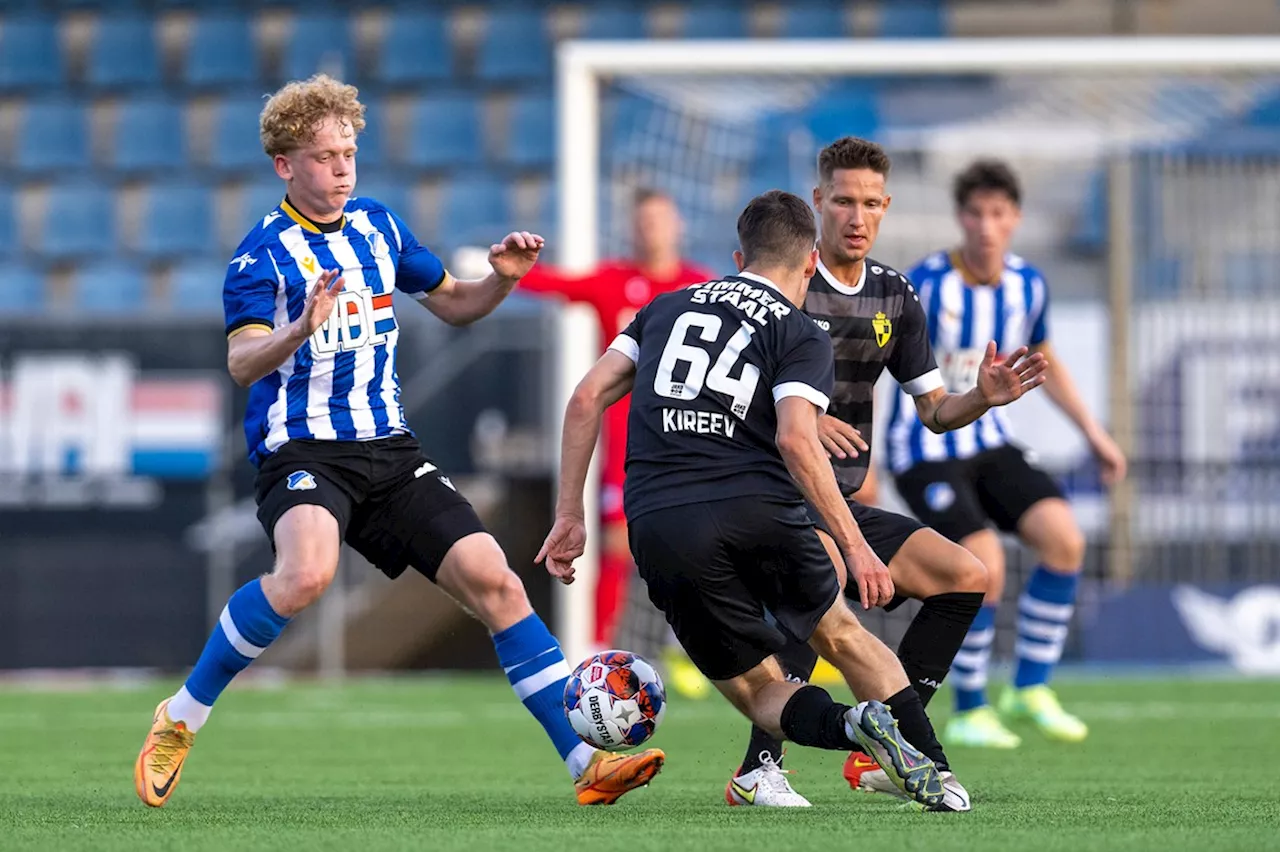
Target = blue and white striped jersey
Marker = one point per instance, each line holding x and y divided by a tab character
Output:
341	385
963	316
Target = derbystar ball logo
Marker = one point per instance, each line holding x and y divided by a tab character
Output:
596	712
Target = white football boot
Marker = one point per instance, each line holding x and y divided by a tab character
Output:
766	786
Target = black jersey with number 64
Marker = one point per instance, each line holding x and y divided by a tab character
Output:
711	361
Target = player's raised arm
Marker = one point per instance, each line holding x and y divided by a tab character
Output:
462	302
1000	382
607	382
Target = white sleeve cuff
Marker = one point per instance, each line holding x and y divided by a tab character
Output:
803	391
421	295
627	347
922	385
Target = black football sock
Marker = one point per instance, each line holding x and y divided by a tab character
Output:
798	660
915	726
812	718
934	637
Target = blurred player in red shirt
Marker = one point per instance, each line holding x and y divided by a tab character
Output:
618	288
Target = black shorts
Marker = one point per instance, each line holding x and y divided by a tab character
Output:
885	533
958	497
392	504
714	569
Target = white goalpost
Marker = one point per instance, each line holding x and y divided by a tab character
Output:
714	121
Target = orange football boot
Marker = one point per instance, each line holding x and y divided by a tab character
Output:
609	776
155	775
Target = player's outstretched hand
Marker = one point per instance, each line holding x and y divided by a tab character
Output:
516	254
840	440
1001	383
321	299
1111	459
565	543
869	576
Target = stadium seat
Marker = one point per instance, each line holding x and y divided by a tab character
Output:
258	199
124	53
614	21
109	287
318	42
372	141
196	288
177	219
221	51
913	19
847	109
714	21
53	135
8	229
416	48
30	53
149	135
516	47
813	20
531	137
475	210
236	144
79	219
392	192
444	130
21	289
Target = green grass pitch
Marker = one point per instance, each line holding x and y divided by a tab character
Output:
454	763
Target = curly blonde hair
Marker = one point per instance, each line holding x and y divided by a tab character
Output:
293	114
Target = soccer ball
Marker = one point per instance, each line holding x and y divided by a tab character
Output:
615	700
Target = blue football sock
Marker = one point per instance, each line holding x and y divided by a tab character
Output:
246	627
1044	616
536	669
969	668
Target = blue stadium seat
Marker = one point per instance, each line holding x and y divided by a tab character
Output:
813	20
444	130
8	225
372	141
53	135
318	42
515	46
149	135
531	137
913	19
714	21
21	289
177	219
416	48
393	193
196	288
221	51
79	219
850	109
546	217
258	199
236	144
614	21
110	287
30	53
124	52
475	210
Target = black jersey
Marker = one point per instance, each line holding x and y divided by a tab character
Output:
711	361
878	323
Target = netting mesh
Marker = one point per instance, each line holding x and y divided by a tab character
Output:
1203	325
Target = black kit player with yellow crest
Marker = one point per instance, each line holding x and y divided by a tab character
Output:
728	379
875	321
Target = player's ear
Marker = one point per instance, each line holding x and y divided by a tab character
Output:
888	199
739	259
817	197
284	169
811	265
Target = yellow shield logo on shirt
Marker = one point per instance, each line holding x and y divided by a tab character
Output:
883	328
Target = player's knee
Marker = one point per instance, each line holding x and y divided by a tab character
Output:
497	597
298	584
1064	552
967	574
840	643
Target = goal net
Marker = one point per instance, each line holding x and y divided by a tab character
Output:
1151	173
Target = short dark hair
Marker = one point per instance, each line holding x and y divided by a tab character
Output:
996	175
850	152
645	194
776	228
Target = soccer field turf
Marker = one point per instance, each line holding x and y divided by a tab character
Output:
454	763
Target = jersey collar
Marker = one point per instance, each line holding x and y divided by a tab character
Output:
307	224
759	278
844	288
966	274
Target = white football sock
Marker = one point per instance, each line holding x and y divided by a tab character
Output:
184	708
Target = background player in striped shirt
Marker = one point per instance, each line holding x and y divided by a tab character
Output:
875	322
965	481
312	331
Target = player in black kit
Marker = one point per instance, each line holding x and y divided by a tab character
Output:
728	379
875	322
